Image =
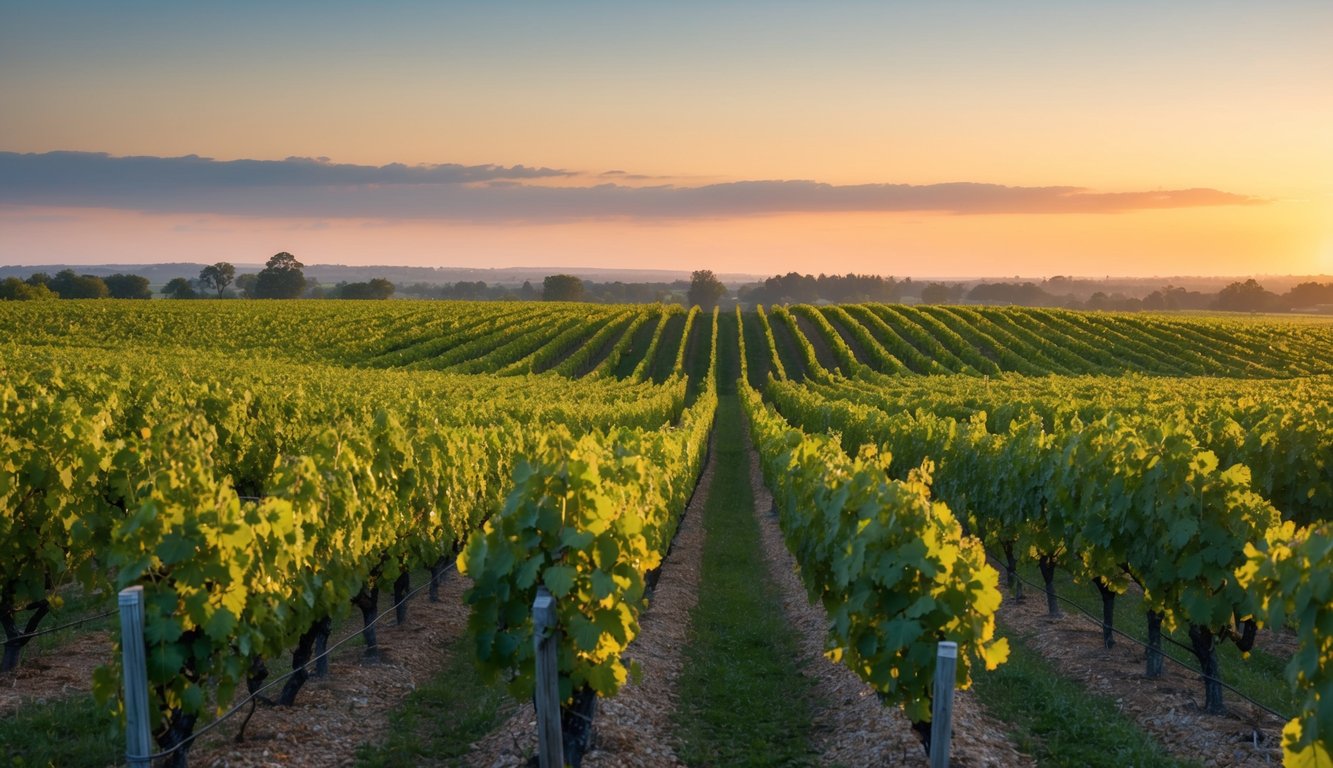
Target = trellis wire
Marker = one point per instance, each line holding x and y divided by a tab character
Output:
282	678
1165	655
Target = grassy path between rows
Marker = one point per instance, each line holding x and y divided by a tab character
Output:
438	722
743	699
1258	676
1058	721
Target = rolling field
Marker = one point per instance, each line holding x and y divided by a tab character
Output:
267	470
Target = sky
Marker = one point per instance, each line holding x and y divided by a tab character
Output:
943	139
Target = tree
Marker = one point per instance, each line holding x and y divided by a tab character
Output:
562	288
128	287
1308	295
72	286
1248	296
705	289
1020	294
246	284
218	276
179	288
935	293
281	278
378	288
14	289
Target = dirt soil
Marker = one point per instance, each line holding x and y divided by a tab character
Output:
1167	707
854	728
634	728
332	718
44	675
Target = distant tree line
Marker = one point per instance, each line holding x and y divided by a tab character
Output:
794	288
561	289
466	290
703	289
281	278
67	284
1247	296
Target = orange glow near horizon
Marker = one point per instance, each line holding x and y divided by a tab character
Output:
1208	241
1114	98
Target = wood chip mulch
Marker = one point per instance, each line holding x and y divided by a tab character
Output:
44	675
333	718
854	728
632	729
1168	707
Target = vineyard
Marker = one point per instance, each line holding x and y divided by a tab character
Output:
269	472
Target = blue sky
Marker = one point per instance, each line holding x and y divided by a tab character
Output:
1132	102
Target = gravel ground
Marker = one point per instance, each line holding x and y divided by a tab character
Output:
853	728
1167	707
634	728
45	675
332	718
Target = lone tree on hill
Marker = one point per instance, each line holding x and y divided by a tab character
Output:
562	288
219	276
281	278
705	289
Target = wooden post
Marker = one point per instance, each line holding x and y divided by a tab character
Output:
134	670
550	747
941	716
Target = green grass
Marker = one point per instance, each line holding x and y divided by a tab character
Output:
40	734
699	355
1259	677
1060	723
663	363
787	349
743	700
70	733
757	353
637	349
437	723
78	605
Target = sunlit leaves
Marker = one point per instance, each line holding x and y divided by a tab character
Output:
891	567
1292	572
587	518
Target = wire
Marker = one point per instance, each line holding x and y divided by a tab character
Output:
283	677
58	627
1137	641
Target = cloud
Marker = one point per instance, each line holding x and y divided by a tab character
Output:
95	171
317	188
620	175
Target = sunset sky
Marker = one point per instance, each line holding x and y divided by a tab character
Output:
910	139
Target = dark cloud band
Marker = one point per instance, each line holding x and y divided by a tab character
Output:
318	188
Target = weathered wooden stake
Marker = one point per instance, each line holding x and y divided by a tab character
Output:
138	742
550	747
941	716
